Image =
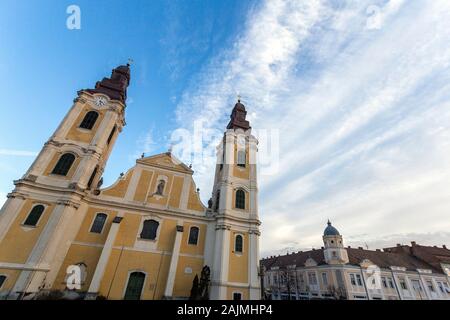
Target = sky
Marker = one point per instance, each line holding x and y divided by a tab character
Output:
350	101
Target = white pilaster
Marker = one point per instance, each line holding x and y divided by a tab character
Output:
174	261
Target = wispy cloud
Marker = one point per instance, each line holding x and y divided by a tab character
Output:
363	112
19	153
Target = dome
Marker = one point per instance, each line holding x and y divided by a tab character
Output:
330	230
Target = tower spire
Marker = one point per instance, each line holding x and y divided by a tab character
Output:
237	118
115	87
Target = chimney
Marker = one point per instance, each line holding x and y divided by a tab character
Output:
377	250
443	246
399	245
413	243
360	248
349	247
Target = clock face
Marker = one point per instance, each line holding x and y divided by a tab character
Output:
100	101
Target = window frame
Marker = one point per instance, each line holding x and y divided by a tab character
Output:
130	272
189	235
156	231
38	220
242	244
89	121
238	191
93	222
75	156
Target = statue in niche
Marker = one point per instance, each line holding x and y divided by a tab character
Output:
160	188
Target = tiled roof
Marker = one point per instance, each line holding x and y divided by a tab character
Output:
356	256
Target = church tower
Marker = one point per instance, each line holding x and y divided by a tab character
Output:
44	211
334	250
235	258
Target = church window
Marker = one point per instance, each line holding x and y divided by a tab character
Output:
358	280
2	280
237	296
193	235
34	215
99	223
352	279
135	286
111	135
89	120
239	244
64	164
241	158
149	229
240	199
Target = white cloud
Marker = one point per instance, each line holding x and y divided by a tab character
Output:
19	153
364	117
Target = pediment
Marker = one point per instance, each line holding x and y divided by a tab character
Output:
310	262
366	263
166	161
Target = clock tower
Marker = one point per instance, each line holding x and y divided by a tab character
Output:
68	168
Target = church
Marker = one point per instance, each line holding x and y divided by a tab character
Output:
147	236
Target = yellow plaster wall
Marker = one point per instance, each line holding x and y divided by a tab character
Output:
238	265
175	192
120	188
88	255
122	262
83	135
142	187
18	243
167	234
84	234
194	202
183	281
128	230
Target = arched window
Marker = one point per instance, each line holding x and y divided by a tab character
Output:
241	158
89	120
240	199
2	280
135	286
193	235
34	215
99	223
149	229
64	164
238	244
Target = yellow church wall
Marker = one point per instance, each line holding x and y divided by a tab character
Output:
84	234
194	202
88	255
190	248
83	135
247	200
142	187
11	278
120	187
20	240
175	193
238	265
243	291
52	164
123	262
166	236
183	281
128	230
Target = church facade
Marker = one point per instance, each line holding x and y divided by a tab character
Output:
146	236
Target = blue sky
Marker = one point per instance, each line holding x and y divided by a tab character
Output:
358	92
